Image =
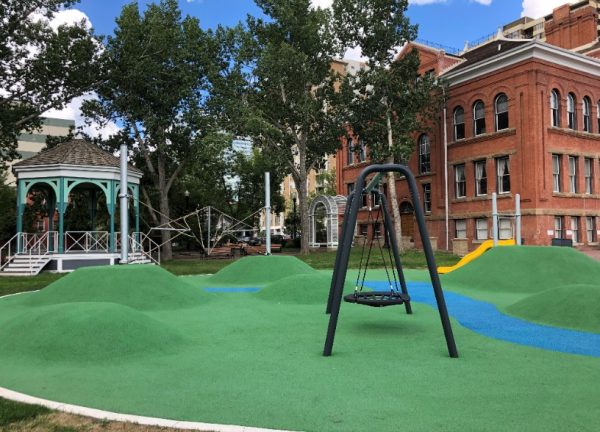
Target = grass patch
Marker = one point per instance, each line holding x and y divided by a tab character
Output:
410	259
12	412
17	284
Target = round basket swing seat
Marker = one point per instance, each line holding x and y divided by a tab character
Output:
377	298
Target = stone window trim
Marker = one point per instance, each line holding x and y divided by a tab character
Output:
484	137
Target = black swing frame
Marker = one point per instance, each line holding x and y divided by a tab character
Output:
343	255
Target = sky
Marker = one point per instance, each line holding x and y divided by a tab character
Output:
448	23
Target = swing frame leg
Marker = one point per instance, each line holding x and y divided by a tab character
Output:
343	256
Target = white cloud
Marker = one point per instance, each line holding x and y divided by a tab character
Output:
483	2
328	3
72	111
538	8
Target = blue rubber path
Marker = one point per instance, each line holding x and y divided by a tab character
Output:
484	318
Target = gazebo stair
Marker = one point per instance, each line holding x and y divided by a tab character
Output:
26	265
139	258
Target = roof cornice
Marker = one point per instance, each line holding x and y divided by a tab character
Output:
533	50
89	170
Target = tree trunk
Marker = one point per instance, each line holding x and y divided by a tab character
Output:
166	253
304	220
392	189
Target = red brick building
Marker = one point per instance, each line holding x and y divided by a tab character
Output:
523	117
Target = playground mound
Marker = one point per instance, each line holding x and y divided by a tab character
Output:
572	306
261	270
526	269
299	289
86	332
142	287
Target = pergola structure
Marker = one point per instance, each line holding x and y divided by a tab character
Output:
334	208
58	172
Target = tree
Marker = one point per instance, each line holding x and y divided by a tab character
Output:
40	67
156	86
288	96
388	101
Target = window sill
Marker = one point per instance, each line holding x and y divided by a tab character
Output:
484	137
571	132
574	195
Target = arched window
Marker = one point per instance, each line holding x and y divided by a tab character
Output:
571	120
501	111
459	123
587	114
424	154
478	118
555	108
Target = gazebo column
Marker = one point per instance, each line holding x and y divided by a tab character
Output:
136	208
62	207
51	209
111	205
20	209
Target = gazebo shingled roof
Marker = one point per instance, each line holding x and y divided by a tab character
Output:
75	152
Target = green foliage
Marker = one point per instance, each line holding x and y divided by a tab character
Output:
40	68
156	85
388	101
8	215
284	91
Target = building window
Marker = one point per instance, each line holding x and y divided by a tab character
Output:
460	181
505	229
571	118
503	175
459	123
478	118
587	114
460	226
501	110
575	228
590	229
589	175
556	182
555	108
362	155
350	152
375	198
424	154
480	178
558	227
573	174
427	197
481	229
363	230
377	230
350	188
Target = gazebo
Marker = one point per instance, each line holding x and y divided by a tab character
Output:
334	207
81	166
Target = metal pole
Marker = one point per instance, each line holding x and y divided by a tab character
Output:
446	200
208	231
495	218
268	213
124	213
518	217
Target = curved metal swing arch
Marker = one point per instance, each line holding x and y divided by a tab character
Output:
343	255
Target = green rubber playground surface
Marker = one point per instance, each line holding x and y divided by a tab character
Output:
164	348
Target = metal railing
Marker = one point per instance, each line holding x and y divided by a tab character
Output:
8	250
140	242
39	246
87	241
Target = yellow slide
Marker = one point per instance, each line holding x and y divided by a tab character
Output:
483	247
